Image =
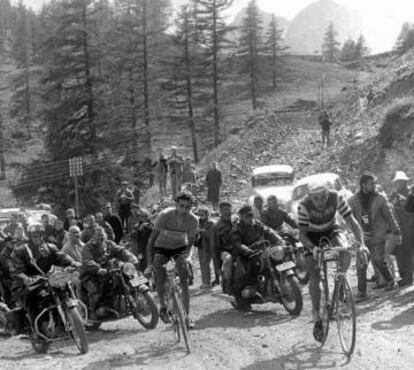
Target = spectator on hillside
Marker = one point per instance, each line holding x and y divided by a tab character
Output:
188	172
325	121
175	164
61	235
114	221
89	229
123	200
213	183
161	169
49	229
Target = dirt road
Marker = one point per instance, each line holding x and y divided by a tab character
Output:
265	338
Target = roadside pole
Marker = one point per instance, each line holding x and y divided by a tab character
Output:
76	170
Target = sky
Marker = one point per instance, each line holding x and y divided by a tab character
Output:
382	19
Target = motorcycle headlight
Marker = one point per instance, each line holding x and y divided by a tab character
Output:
277	253
129	269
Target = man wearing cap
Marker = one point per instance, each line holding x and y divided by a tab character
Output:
114	221
400	199
317	218
245	233
124	199
70	217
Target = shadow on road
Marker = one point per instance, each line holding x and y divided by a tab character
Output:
397	322
237	319
303	356
163	354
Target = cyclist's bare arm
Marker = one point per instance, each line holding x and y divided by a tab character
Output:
303	236
150	245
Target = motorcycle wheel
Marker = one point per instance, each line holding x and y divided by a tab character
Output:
291	296
146	311
78	330
300	269
38	344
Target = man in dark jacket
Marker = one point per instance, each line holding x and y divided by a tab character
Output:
325	121
123	200
95	256
222	244
373	212
114	221
245	234
203	243
275	217
400	199
30	261
213	183
5	269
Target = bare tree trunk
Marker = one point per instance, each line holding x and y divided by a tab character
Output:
2	159
274	64
88	82
215	80
134	141
191	122
252	66
145	71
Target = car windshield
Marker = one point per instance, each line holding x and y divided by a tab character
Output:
273	179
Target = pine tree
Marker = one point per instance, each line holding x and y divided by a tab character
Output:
348	50
273	46
405	40
361	48
330	44
22	99
2	158
70	111
212	30
250	43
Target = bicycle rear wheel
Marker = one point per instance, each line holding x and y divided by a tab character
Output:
181	316
345	316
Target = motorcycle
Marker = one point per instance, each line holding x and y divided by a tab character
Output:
57	316
296	253
275	279
126	293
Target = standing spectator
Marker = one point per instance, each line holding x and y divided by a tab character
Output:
49	228
175	164
188	172
133	223
124	199
374	214
114	221
99	218
204	244
144	230
213	183
162	172
74	245
405	218
89	229
258	207
325	121
70	217
11	226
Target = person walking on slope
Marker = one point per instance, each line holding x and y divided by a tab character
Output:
325	121
373	212
213	182
175	164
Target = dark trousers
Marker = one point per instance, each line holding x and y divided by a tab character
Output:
377	256
124	213
404	262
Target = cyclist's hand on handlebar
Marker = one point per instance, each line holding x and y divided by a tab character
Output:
315	252
102	272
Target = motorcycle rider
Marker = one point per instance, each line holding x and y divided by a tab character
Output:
317	218
95	254
173	236
32	260
246	233
275	217
5	268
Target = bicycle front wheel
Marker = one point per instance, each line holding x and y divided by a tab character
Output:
182	324
345	316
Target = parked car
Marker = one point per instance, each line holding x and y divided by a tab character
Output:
300	189
273	180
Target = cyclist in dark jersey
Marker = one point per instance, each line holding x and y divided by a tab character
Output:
317	218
